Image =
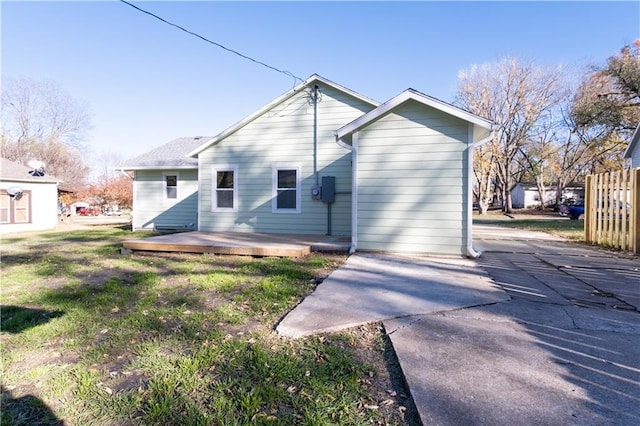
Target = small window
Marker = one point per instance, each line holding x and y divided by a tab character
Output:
286	189
225	188
171	186
15	209
5	205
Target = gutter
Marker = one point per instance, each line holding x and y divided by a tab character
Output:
471	252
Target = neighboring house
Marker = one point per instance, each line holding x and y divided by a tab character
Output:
165	186
525	195
27	202
394	177
633	150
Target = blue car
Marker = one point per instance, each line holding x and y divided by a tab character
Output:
573	211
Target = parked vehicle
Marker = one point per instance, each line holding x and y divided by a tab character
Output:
113	213
572	211
88	211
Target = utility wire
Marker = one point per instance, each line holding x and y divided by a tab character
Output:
287	73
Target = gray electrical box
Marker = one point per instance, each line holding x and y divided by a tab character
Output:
328	193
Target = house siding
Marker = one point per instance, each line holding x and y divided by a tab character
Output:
152	208
284	136
44	207
412	182
635	156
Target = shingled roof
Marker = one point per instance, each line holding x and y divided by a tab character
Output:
12	171
172	155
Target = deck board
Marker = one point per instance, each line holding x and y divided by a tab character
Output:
244	244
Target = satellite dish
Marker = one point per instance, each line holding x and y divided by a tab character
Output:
14	191
37	166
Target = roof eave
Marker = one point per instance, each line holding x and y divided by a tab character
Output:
133	168
634	141
240	124
411	94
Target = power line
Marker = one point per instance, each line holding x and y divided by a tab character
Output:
287	73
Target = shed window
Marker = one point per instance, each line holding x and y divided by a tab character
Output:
15	209
286	189
225	188
171	186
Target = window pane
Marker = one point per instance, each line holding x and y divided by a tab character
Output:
22	215
286	179
286	199
225	179
172	192
172	180
4	215
225	199
5	199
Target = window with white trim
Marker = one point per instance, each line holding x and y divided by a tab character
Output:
224	195
286	189
16	209
171	186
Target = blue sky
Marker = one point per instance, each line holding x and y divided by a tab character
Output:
147	83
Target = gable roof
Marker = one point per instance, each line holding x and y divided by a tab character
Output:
345	132
635	140
171	155
314	79
13	171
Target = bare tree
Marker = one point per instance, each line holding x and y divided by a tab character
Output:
40	121
515	95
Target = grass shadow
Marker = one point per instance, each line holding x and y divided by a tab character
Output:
15	319
26	410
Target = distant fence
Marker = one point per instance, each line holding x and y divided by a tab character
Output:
612	210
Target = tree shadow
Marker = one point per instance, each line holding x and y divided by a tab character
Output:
16	319
26	410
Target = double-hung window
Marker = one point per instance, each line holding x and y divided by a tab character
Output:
15	209
286	189
224	196
171	186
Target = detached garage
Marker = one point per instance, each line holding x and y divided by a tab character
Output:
412	169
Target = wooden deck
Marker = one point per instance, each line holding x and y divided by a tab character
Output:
244	244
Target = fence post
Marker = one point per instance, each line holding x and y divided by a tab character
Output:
634	223
588	213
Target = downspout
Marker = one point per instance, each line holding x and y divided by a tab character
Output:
314	97
471	252
354	187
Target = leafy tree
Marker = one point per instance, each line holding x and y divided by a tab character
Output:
40	121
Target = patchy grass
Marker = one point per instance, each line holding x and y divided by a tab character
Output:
90	336
536	220
569	229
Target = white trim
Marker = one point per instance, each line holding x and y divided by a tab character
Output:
354	194
274	188
133	168
215	168
403	97
198	215
314	79
471	252
635	139
164	185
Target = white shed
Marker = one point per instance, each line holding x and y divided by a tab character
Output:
27	202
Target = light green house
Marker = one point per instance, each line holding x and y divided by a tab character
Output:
323	159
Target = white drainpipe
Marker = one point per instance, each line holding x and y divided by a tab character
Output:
471	252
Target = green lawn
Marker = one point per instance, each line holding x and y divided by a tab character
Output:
91	336
570	229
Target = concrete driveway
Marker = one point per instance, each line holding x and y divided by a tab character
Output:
536	331
564	350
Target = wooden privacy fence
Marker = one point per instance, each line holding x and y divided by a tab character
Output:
612	210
